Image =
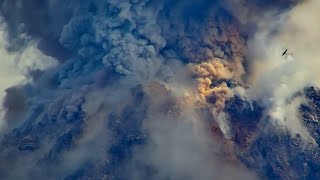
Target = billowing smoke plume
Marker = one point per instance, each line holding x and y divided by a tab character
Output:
217	95
140	84
16	67
121	94
209	72
276	79
219	77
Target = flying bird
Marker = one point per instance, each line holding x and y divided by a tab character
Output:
285	52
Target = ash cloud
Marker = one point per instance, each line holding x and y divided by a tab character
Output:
99	112
16	67
179	142
276	79
42	20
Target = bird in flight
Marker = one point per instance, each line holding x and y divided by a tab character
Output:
285	52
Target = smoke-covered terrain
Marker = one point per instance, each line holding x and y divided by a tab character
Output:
159	89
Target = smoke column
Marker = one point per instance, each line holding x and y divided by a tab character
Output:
276	79
132	89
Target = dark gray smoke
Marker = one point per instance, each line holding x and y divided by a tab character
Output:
112	107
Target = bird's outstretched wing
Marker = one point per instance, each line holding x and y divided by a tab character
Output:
285	52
